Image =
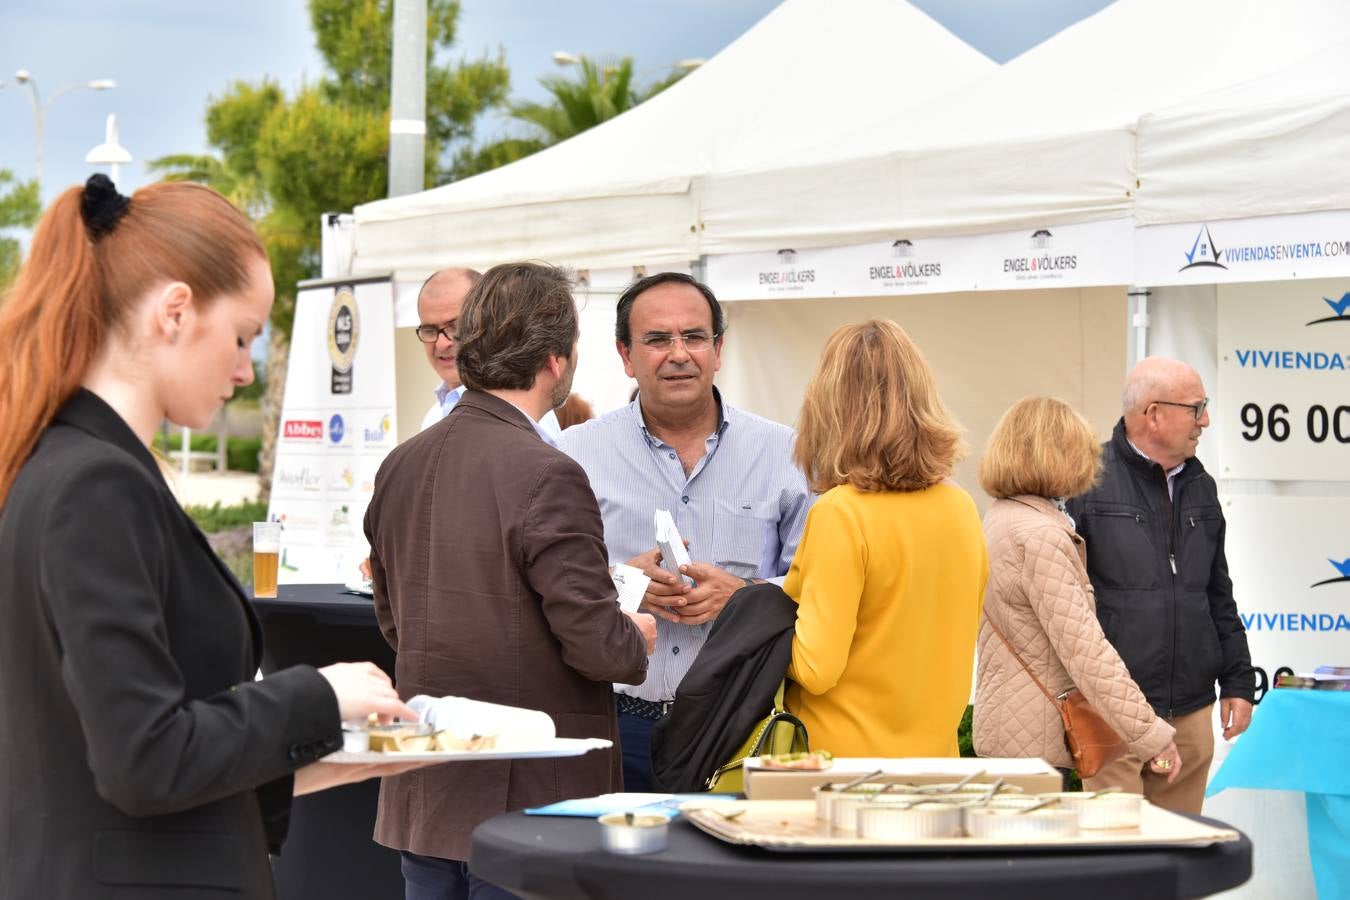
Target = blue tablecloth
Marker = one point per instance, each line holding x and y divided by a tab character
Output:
1299	741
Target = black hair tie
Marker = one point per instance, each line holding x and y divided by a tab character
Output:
101	206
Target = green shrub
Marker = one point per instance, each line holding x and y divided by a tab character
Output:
241	453
215	517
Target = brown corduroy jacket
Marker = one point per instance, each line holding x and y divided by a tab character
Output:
1040	597
491	582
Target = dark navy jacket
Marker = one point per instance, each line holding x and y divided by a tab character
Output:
1164	598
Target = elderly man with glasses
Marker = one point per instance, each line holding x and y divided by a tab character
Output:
1155	554
726	476
438	305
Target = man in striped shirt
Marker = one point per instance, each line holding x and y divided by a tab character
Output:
726	477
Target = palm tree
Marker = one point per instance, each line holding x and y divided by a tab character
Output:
599	91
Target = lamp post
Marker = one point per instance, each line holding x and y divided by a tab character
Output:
110	153
22	78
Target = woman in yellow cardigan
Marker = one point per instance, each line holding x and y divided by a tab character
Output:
890	572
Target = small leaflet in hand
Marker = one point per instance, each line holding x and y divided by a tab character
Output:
631	583
668	540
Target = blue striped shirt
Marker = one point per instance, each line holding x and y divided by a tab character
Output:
742	508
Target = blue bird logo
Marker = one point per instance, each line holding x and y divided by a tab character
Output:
1343	567
1339	306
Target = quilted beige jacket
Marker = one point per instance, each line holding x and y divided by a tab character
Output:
1040	597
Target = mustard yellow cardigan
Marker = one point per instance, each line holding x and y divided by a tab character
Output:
889	587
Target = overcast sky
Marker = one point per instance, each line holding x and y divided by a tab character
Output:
169	56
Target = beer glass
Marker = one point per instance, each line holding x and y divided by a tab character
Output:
266	557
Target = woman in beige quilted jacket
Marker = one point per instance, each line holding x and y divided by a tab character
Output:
1041	453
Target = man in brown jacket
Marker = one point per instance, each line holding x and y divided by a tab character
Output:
491	580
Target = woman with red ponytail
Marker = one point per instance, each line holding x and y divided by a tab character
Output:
139	757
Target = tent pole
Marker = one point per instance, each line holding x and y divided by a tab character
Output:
1139	322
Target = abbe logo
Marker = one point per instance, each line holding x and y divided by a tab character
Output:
1342	567
336	429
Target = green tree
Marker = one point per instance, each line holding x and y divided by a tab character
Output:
594	93
286	160
19	208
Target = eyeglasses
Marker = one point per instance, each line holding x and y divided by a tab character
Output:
1197	409
693	341
427	334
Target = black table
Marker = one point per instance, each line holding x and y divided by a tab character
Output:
329	852
540	857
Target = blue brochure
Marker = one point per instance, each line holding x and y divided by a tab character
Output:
667	805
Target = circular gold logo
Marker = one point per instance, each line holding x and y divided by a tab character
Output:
344	329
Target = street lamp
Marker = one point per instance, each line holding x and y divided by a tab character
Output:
22	77
110	153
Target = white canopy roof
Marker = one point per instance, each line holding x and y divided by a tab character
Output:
1275	144
627	192
1047	138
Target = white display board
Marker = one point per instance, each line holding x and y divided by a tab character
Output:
1284	380
1290	562
1098	253
337	425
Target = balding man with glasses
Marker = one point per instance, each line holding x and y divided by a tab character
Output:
1155	554
438	305
726	476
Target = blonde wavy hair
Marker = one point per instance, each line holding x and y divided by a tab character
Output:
872	417
1042	447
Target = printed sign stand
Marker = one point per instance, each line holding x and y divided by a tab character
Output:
337	425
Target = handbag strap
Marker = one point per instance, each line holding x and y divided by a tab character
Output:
1026	668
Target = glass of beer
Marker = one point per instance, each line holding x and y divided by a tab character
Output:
266	556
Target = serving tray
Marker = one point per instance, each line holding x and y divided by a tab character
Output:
791	826
557	747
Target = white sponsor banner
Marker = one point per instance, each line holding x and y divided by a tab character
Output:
1266	248
1088	255
1290	562
1098	253
337	425
1284	380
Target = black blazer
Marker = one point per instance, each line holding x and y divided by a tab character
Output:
138	757
728	689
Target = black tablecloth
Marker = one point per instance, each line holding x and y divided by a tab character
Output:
558	858
329	853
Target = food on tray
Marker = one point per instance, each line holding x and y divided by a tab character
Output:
1102	810
400	737
445	740
916	820
1021	824
815	761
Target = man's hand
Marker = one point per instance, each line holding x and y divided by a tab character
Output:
715	587
364	567
647	625
665	590
1235	714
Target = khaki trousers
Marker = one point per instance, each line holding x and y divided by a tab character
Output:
1195	742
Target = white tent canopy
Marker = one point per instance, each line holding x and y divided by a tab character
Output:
1048	138
627	192
1275	144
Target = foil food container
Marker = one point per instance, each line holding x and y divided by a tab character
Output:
633	834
